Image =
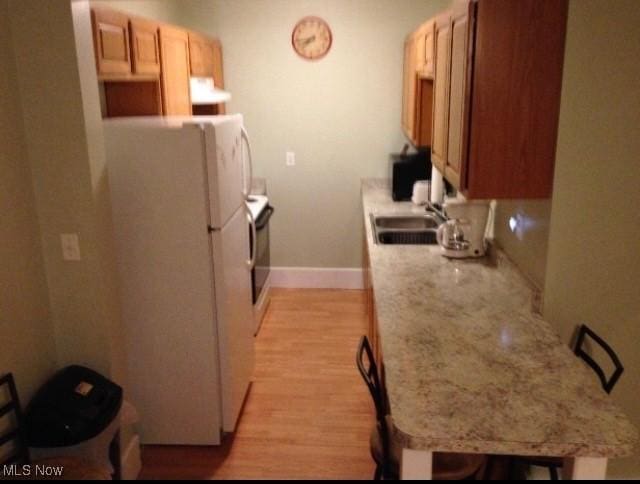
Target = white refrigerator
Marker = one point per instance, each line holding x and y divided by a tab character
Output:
178	190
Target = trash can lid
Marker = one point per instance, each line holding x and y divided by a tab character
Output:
75	405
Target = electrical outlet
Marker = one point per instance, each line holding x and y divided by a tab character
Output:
291	158
70	247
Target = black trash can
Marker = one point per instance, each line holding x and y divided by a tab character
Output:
74	413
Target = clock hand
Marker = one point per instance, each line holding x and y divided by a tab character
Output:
307	41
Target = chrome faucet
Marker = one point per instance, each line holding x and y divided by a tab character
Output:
440	213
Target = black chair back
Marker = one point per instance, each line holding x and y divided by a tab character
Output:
15	435
369	371
607	382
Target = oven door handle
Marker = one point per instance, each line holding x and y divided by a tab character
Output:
251	263
263	218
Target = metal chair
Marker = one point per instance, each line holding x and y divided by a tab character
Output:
584	334
385	452
15	438
369	371
608	383
19	454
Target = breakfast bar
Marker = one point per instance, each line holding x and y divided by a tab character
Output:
469	367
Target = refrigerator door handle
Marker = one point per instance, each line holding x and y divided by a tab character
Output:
251	263
247	165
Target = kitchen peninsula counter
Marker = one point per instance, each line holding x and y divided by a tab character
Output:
469	367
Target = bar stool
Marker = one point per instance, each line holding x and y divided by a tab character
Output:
386	453
584	334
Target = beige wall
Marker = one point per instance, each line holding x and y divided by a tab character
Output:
162	10
26	336
593	271
526	242
341	115
62	140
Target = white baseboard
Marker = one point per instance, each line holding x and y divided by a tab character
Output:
316	278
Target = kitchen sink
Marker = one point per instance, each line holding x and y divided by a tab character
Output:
406	221
418	237
405	229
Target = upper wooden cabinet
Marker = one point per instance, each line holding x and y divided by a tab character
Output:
111	42
498	77
145	66
515	105
457	124
126	48
425	49
218	72
145	47
202	55
442	40
417	94
174	55
409	88
206	60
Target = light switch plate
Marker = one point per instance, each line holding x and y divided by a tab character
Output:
70	247
291	158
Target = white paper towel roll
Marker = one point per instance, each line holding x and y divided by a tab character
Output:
437	186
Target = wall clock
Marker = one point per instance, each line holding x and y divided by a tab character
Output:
311	38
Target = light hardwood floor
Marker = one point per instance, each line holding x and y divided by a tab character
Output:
308	413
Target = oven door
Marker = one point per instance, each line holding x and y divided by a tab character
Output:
263	258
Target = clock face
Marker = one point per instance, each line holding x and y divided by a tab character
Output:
311	38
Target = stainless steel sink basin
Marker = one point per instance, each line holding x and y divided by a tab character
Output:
417	237
405	229
406	221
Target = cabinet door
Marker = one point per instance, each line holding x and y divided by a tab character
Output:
201	52
418	38
218	73
197	56
441	91
515	105
409	94
429	54
424	112
145	48
405	88
459	94
111	42
174	54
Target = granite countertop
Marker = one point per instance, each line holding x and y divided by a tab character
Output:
469	367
